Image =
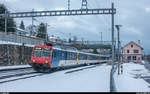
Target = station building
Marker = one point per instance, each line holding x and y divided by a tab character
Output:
132	52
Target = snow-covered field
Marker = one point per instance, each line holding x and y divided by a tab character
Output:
96	79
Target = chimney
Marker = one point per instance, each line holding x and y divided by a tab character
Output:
138	42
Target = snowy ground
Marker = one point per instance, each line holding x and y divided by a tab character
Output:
14	67
89	80
132	79
96	79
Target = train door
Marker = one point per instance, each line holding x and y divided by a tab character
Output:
77	58
65	56
55	58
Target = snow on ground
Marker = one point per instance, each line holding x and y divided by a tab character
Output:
14	43
130	80
13	67
95	79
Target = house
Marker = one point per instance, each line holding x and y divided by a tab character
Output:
132	52
52	39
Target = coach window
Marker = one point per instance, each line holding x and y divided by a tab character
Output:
71	55
63	55
68	55
81	56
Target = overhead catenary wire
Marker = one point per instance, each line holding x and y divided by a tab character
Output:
102	19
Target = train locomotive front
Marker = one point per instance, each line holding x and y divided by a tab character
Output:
41	58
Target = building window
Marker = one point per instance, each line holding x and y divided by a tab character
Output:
139	58
136	51
128	51
129	57
131	46
134	57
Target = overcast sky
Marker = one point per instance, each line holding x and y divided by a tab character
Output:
133	15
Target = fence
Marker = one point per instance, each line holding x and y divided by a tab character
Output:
10	37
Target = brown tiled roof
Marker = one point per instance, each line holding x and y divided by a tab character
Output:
134	43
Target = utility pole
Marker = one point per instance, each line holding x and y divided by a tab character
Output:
113	36
68	4
6	17
84	4
32	21
46	32
101	36
118	29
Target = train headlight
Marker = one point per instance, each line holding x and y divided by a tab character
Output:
33	60
46	61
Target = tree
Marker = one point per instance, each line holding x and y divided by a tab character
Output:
32	30
69	40
11	25
74	39
22	25
42	31
95	51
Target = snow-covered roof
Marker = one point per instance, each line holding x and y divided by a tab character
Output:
133	43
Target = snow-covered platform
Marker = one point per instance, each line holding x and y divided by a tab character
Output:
96	79
133	78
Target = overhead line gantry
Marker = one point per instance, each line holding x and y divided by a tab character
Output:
59	13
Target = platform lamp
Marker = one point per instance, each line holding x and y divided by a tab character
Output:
118	29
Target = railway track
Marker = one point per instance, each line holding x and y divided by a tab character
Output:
25	76
7	75
80	69
19	74
11	69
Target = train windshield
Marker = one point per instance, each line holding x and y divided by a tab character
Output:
42	52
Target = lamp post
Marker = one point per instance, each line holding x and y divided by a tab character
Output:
46	33
101	35
118	29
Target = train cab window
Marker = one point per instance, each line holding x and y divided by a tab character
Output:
46	52
41	52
